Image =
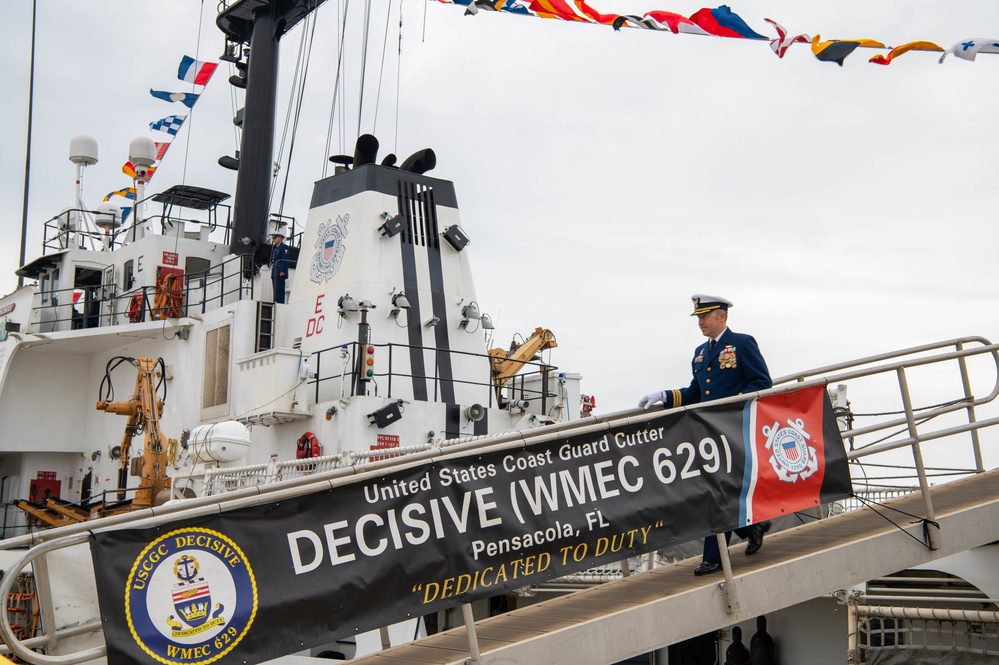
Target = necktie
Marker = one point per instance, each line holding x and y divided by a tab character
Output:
711	345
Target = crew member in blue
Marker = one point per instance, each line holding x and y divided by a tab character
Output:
279	266
728	364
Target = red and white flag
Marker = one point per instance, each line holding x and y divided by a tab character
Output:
783	42
195	71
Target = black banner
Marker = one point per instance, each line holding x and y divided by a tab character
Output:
256	583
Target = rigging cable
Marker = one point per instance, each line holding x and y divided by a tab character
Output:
926	523
189	120
381	68
424	38
342	92
190	116
364	62
305	57
336	89
398	78
295	83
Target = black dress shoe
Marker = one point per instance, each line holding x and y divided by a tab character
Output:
756	537
707	568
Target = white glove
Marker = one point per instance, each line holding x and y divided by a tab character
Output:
650	399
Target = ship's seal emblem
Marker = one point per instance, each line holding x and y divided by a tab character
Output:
792	458
191	597
329	249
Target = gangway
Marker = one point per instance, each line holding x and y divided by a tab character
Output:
647	611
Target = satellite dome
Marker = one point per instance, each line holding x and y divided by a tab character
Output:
83	150
108	216
142	151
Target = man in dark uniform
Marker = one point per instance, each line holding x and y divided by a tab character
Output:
728	364
279	266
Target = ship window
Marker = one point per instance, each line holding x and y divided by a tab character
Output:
196	270
128	276
216	382
196	267
50	283
50	286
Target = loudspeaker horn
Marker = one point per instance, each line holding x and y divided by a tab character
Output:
475	412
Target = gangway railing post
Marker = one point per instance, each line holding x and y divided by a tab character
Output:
852	634
473	639
728	586
917	456
46	608
975	443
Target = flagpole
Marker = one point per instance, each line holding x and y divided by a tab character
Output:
27	150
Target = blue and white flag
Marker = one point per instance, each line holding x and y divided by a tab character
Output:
967	49
170	124
185	98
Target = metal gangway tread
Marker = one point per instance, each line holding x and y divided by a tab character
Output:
651	610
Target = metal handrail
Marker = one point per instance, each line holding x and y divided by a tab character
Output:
932	620
114	308
59	233
515	385
277	471
900	353
286	489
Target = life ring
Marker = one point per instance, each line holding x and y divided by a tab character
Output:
135	308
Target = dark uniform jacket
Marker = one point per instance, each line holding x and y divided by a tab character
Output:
279	270
279	259
735	366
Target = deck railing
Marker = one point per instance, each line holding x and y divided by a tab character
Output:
108	305
924	635
336	372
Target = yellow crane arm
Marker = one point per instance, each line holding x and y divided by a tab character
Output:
144	410
508	363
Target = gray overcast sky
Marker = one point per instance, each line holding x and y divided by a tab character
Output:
603	176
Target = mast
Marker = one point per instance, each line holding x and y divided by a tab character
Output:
258	24
27	150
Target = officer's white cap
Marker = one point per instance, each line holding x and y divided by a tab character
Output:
704	303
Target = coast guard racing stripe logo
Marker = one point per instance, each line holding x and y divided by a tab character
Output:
329	249
191	597
785	466
792	457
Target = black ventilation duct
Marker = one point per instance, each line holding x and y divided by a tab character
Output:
365	150
420	161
